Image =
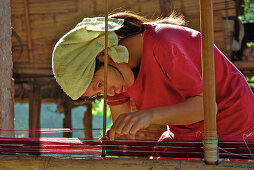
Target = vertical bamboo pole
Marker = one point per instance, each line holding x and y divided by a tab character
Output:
105	70
210	109
105	76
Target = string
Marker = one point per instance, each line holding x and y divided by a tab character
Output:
244	135
70	145
232	153
44	130
94	150
81	144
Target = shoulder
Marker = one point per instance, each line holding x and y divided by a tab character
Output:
168	33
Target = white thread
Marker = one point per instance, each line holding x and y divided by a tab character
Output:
232	153
244	135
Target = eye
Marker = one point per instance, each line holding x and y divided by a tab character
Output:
99	84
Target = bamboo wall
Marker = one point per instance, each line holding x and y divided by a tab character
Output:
49	20
221	9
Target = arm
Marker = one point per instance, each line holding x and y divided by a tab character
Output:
116	110
187	112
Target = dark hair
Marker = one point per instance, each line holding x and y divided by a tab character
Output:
133	22
98	64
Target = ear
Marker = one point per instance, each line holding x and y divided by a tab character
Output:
101	57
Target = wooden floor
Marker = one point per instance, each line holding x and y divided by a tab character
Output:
18	162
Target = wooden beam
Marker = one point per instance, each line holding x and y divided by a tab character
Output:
88	118
209	99
6	65
34	109
17	162
244	65
67	121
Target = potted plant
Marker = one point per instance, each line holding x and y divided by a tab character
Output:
248	22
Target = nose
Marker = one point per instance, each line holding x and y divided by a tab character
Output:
111	92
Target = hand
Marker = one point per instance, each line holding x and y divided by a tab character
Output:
122	137
130	123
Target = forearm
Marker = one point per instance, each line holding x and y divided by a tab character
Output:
188	112
119	109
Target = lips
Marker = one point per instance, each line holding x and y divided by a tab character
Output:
124	89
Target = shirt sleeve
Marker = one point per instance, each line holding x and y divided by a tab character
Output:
117	99
180	60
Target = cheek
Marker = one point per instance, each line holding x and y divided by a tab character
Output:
89	91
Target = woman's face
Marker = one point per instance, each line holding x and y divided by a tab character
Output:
120	77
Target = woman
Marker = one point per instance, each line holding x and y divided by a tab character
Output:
158	65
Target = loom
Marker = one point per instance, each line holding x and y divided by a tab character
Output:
210	149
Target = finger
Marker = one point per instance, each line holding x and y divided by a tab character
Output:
135	128
107	132
126	129
124	122
112	134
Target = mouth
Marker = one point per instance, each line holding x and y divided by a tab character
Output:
124	89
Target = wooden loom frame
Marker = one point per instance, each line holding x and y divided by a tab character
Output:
211	153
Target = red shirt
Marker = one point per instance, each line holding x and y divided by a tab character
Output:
171	72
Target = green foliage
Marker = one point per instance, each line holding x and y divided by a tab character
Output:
250	44
250	79
22	135
97	109
248	16
112	156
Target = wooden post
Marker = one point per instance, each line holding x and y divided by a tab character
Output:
67	121
87	121
166	7
210	109
6	66
34	109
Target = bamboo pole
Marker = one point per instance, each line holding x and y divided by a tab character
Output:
105	76
105	70
209	101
